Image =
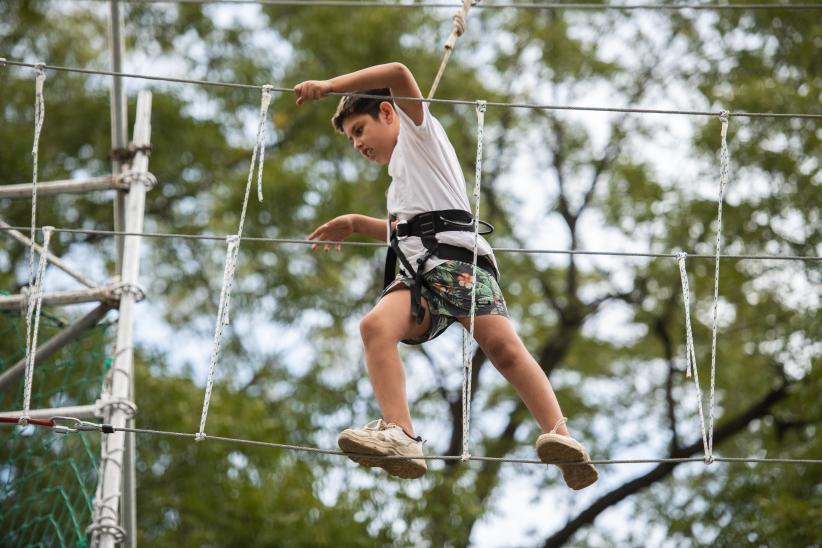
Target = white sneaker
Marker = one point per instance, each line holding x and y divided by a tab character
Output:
384	439
554	448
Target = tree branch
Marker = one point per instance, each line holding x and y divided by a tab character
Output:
662	470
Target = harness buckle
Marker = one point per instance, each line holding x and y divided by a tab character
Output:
402	234
427	225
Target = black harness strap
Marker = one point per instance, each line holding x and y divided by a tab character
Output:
426	226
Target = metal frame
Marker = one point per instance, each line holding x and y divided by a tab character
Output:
114	516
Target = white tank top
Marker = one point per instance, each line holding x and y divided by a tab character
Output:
426	176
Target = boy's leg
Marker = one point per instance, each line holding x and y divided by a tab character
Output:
388	323
501	344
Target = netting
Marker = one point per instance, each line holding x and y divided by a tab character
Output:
47	482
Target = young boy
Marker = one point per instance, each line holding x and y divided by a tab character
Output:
433	236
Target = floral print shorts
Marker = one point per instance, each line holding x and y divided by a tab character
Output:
447	289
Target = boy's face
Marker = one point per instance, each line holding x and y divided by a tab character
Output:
375	139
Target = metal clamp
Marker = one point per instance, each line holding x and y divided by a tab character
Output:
145	177
118	289
68	425
123	404
114	530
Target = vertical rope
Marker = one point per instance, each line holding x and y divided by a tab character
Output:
232	245
35	302
690	355
467	368
724	173
458	30
39	118
233	253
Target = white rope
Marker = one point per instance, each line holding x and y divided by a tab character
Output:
724	172
458	30
690	355
467	337
233	252
232	246
39	118
35	302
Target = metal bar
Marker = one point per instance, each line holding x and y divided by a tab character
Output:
23	190
106	518
119	118
54	344
53	259
100	294
119	137
78	412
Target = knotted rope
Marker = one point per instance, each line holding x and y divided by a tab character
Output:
467	368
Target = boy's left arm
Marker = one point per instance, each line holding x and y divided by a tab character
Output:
394	76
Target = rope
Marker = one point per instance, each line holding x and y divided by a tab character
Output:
458	30
35	302
70	425
690	355
467	365
35	294
724	174
495	5
233	251
432	101
283	241
232	246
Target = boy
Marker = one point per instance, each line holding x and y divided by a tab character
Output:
433	236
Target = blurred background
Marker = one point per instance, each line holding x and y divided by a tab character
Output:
608	330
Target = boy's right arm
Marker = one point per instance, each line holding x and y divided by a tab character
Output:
340	228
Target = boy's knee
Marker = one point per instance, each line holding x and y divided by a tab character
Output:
373	327
503	352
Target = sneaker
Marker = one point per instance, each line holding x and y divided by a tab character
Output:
384	439
554	448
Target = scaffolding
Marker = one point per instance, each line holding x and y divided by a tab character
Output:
113	517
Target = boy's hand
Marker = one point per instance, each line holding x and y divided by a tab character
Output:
312	90
337	229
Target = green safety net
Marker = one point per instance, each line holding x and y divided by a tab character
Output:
48	480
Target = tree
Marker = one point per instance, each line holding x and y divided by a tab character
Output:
595	181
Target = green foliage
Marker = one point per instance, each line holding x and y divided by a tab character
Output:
608	332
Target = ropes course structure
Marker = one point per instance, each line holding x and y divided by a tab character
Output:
115	405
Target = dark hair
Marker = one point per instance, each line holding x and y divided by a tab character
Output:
350	106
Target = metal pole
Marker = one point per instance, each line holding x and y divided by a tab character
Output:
53	259
77	411
49	188
99	294
106	529
119	119
119	136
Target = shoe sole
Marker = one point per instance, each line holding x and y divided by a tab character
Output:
555	449
354	447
